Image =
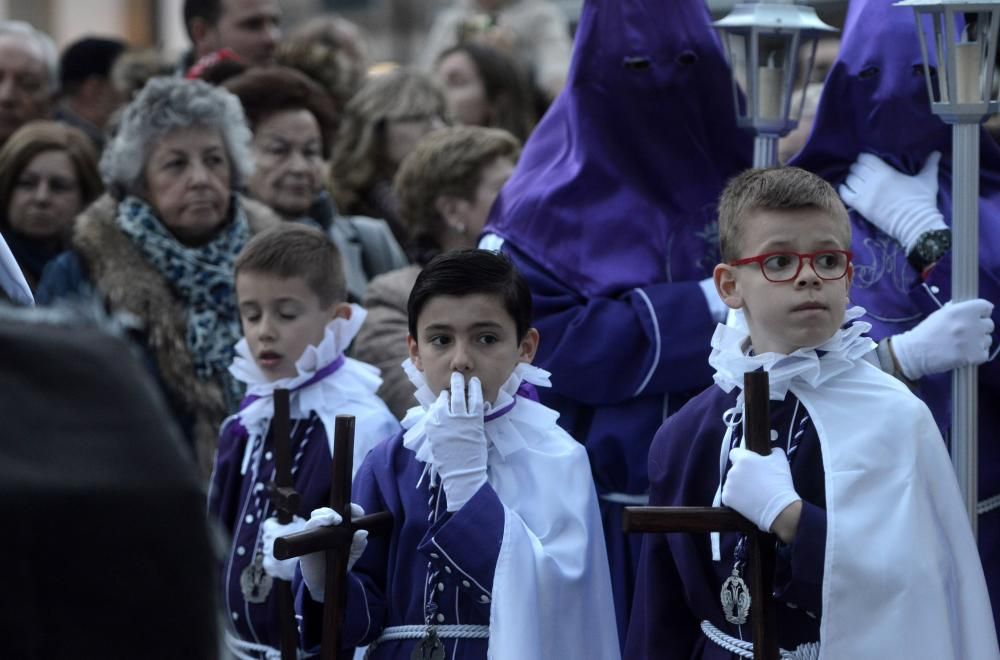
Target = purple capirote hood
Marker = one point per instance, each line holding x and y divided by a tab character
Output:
618	185
875	97
875	100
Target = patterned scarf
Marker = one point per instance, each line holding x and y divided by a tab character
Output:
202	277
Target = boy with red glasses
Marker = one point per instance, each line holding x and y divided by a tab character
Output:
875	553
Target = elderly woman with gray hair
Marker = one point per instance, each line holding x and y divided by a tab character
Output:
160	245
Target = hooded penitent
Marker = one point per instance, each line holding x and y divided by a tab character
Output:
875	100
617	186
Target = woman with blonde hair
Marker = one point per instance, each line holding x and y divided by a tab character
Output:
378	128
48	174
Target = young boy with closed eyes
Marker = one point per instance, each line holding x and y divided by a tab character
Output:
296	325
875	556
496	549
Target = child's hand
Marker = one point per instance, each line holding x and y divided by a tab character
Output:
282	569
458	441
314	565
904	207
759	487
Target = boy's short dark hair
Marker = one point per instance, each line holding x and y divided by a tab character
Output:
294	250
471	272
773	189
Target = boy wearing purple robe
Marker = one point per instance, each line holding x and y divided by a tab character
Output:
610	216
877	140
290	290
496	549
874	557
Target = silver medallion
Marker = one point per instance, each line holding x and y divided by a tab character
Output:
735	599
255	583
429	648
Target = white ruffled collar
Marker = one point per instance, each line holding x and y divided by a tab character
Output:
255	416
501	431
812	365
337	337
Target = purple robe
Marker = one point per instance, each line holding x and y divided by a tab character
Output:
446	559
611	217
875	100
679	583
240	503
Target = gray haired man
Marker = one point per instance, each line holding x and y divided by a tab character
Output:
29	75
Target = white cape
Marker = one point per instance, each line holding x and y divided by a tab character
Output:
348	391
552	586
902	575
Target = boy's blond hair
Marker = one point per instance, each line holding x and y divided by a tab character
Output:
773	189
294	250
359	152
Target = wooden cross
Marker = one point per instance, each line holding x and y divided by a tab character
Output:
285	500
694	520
336	540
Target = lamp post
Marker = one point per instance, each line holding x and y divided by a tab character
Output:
961	92
762	41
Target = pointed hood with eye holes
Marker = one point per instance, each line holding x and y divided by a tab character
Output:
617	187
875	96
875	100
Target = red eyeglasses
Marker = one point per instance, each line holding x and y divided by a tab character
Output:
786	266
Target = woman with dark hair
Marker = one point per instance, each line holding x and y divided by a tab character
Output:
379	126
293	121
48	174
484	86
160	246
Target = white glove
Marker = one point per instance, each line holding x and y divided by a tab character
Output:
904	207
283	569
314	565
957	335
458	441
759	487
718	309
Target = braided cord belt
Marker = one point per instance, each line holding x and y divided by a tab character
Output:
462	631
745	649
988	505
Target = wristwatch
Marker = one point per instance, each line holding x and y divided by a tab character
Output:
930	247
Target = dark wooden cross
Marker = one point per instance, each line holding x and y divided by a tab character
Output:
695	520
285	500
336	540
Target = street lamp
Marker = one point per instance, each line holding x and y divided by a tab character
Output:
961	93
762	41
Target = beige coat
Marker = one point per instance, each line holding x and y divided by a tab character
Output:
382	339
